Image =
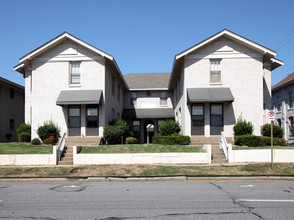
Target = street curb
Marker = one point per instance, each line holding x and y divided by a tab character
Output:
148	179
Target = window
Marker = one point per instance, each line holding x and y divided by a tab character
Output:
198	115
136	128
75	75
118	93
11	123
279	104
74	116
291	99
133	100
163	98
216	115
148	93
215	71
12	93
291	127
113	86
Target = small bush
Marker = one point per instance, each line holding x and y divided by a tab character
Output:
113	132
36	141
242	127
8	136
170	140
48	129
131	140
277	131
169	127
254	141
25	137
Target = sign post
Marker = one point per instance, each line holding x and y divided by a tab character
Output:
271	115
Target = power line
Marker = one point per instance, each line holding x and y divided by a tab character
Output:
283	72
285	41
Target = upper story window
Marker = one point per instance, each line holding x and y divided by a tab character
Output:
291	100
11	123
215	71
279	103
12	93
133	100
163	98
75	74
113	86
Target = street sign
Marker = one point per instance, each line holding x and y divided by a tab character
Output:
271	115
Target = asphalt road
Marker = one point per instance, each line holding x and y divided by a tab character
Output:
147	200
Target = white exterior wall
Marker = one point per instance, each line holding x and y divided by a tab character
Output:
242	72
50	75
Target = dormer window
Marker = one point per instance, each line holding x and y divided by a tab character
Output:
75	74
215	71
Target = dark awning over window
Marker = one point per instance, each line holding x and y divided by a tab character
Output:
214	94
148	113
79	97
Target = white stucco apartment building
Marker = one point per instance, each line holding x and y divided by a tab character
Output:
211	84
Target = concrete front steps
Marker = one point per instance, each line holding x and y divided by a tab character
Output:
213	141
67	158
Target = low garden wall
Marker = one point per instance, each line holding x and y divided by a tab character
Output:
29	159
260	155
142	158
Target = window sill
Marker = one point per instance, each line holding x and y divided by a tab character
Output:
219	83
75	85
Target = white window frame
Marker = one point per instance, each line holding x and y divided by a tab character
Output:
74	73
215	68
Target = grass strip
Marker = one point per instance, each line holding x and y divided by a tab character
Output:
22	148
262	147
148	170
141	148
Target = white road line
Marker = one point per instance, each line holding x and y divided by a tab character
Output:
263	200
246	185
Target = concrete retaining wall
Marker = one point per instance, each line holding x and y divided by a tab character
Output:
143	158
28	159
260	155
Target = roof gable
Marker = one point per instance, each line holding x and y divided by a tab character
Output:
143	81
284	82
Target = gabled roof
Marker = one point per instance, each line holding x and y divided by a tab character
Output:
267	53
147	81
286	81
55	41
11	83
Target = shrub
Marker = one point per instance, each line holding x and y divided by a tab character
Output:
277	131
242	127
113	132
48	141
131	140
48	129
25	137
169	127
24	132
170	140
36	141
254	141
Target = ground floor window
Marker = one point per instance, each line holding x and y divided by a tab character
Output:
291	126
197	119
216	119
74	120
136	128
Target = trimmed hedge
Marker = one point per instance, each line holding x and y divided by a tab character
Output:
169	127
49	130
277	131
131	140
171	140
254	141
36	141
243	127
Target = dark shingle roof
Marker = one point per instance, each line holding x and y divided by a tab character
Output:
284	81
147	80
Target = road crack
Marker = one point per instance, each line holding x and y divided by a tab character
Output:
249	210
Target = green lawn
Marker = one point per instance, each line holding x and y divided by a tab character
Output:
21	148
141	148
264	147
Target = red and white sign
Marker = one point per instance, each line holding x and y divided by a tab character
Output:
271	115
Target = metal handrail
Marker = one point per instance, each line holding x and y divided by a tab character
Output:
60	147
224	144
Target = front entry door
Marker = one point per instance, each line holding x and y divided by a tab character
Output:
197	125
74	120
92	116
216	119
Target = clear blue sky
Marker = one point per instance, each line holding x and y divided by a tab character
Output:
143	36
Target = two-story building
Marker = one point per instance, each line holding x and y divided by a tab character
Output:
283	105
11	109
211	84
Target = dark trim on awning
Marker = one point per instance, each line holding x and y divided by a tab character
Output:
79	97
148	113
213	94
